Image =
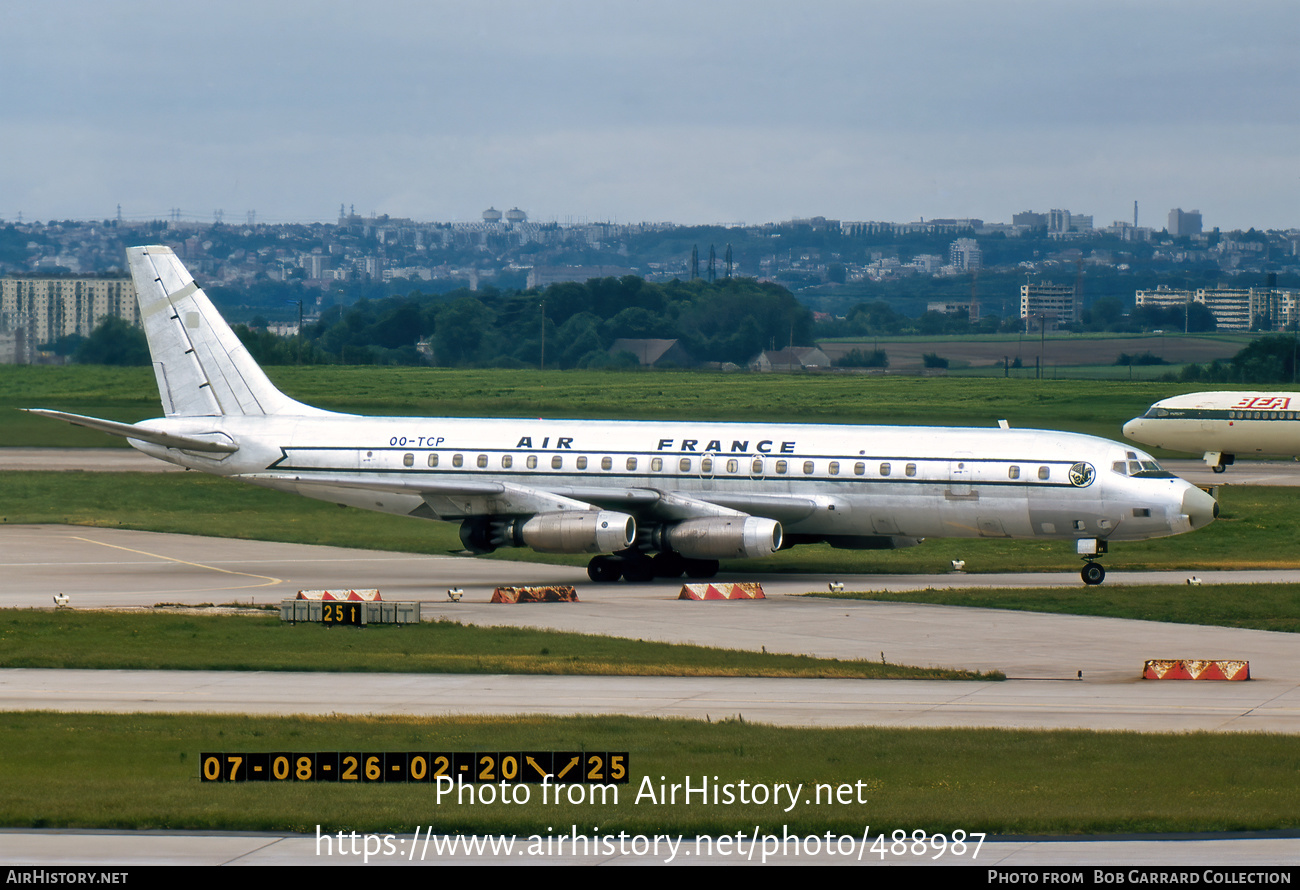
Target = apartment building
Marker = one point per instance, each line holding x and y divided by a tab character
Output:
46	309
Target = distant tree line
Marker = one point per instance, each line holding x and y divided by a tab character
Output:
1268	360
567	325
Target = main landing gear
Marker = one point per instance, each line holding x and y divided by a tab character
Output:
638	567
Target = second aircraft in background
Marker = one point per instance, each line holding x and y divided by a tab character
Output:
1222	425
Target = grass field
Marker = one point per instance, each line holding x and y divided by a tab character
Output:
142	771
1274	607
129	394
162	641
1061	355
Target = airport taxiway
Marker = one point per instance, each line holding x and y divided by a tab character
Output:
104	567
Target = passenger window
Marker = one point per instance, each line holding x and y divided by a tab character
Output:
732	466
507	461
408	460
706	465
684	465
433	460
582	463
657	464
756	468
1044	472
457	460
807	468
482	461
606	463
557	462
833	468
884	469
780	467
910	470
631	464
859	468
1013	472
532	461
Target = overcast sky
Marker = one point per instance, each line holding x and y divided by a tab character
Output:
691	112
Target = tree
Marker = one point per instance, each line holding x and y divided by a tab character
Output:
463	327
860	358
114	342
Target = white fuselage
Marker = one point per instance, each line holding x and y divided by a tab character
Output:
1236	423
816	480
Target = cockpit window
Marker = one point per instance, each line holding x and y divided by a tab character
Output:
1148	469
1141	468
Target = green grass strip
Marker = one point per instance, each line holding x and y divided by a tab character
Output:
1256	606
131	640
141	771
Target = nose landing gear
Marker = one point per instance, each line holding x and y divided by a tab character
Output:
1218	462
1090	548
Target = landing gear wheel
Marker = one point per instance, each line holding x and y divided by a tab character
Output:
638	569
668	565
604	569
1218	468
1093	573
701	568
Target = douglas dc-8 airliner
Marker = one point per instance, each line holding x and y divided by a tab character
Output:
651	498
1222	425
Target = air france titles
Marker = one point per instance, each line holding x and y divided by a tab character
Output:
715	445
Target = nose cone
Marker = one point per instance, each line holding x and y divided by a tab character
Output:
1199	507
1133	429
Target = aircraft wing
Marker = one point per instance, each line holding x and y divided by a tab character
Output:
447	499
673	505
463	498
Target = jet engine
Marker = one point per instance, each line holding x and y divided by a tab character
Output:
744	537
576	531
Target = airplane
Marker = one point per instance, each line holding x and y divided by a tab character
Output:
648	498
1222	425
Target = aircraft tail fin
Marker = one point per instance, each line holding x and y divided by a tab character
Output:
201	366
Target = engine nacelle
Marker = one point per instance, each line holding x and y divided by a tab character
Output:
744	537
592	531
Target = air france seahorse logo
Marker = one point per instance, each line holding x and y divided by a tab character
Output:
1082	474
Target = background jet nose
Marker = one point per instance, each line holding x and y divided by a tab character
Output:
1133	426
1201	509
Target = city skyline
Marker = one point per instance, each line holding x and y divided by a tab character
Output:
720	113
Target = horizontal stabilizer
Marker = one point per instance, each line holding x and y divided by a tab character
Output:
219	443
